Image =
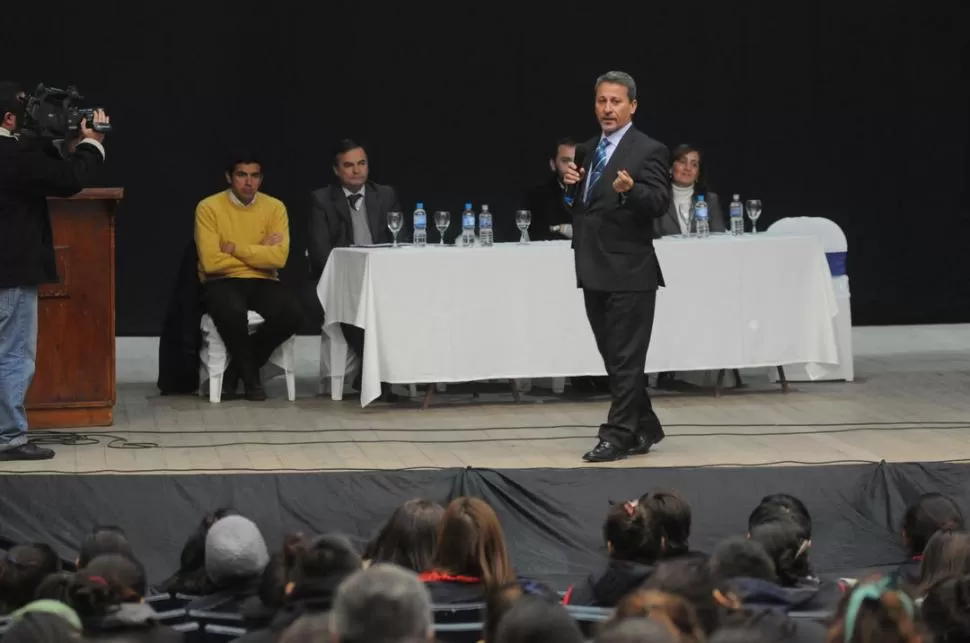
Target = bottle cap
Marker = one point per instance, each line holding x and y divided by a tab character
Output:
737	197
484	207
468	206
700	197
421	205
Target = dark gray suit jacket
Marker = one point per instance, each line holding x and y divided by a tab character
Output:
670	222
331	226
613	233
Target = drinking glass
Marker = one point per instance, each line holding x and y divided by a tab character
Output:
523	219
686	213
442	220
395	220
754	211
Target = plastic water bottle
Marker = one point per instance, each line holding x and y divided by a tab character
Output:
737	216
701	218
468	226
485	236
420	226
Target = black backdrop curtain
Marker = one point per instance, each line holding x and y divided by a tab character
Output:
855	110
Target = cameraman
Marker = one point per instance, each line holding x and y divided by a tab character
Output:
29	173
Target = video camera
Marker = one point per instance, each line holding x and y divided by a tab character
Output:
52	113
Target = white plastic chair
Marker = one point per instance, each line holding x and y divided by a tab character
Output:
834	243
214	358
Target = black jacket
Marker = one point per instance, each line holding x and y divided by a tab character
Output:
181	339
546	204
608	587
331	226
613	233
29	173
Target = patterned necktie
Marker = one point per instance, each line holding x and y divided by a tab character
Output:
354	199
599	162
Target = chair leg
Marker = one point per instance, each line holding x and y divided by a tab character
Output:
719	383
515	390
428	395
737	378
215	389
559	385
291	385
412	390
782	379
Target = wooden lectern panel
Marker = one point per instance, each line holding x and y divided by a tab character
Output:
74	383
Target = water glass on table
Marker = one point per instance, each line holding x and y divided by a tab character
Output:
754	211
523	219
442	219
395	220
686	213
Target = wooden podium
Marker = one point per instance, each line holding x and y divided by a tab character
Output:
74	384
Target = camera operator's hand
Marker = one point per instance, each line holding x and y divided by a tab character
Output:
99	118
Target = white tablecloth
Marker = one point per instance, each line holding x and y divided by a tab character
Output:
513	311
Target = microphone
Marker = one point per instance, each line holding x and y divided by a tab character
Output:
572	191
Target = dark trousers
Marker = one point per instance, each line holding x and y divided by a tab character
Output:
622	323
228	300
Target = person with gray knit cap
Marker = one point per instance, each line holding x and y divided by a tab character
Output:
235	557
234	550
384	602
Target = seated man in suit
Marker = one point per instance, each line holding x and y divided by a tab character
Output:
243	239
351	211
551	217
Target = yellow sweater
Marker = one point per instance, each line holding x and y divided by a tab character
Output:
221	218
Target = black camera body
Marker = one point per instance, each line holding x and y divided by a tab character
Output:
53	113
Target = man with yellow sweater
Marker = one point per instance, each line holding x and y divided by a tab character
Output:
243	239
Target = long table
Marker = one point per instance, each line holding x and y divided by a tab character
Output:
450	314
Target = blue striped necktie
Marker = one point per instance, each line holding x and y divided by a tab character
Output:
599	162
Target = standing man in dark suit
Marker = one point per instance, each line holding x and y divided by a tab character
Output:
352	211
623	187
29	173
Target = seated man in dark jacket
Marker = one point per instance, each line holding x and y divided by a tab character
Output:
352	211
29	173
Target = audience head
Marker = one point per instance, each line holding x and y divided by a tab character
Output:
104	539
930	513
946	555
55	587
234	551
312	627
13	105
499	600
781	507
633	532
691	580
674	516
22	569
533	619
945	610
350	165
471	543
51	624
383	603
409	536
190	577
107	581
330	557
562	155
637	630
670	610
787	544
616	100
740	557
874	613
244	174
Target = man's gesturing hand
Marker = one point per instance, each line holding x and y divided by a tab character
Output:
623	182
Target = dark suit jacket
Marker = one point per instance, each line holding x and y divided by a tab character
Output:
613	233
546	204
331	226
29	173
670	222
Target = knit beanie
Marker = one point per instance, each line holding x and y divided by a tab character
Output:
234	548
48	606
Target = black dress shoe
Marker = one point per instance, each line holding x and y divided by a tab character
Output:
642	446
604	452
230	384
27	451
255	393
